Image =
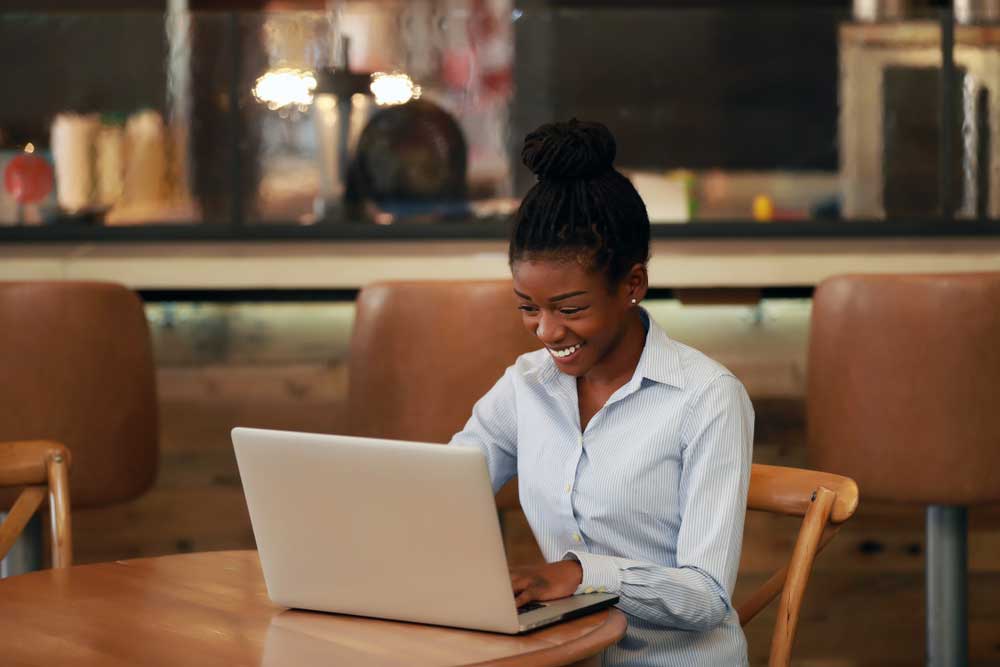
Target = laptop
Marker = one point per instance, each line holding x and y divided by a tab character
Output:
384	528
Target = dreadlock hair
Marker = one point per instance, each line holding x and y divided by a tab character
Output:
581	207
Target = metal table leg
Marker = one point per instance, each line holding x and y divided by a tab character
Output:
947	613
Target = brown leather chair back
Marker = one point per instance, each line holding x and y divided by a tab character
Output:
78	369
904	385
422	353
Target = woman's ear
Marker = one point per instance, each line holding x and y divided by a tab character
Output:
637	283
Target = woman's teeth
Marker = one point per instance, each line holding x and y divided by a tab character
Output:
565	352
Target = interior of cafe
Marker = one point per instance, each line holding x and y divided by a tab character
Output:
301	216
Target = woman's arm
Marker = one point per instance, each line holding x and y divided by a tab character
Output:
695	595
493	429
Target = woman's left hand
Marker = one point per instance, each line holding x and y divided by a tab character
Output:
546	582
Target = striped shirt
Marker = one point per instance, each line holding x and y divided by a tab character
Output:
650	497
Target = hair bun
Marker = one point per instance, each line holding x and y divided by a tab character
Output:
569	151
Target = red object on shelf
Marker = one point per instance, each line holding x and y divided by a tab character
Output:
28	178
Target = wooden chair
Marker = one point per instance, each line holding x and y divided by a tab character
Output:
825	501
41	467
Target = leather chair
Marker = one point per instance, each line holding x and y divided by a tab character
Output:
902	384
423	353
78	370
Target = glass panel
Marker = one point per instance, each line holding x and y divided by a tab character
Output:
386	111
417	131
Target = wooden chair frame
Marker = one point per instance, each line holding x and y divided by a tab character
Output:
825	501
42	468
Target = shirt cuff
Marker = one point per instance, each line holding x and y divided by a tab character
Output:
600	574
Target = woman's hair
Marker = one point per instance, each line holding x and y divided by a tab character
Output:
581	207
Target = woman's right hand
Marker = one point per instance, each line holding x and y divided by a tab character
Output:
550	581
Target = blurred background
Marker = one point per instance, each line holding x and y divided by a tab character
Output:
239	114
195	120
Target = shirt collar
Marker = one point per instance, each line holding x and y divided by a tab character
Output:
660	361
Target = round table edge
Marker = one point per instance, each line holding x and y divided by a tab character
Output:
582	648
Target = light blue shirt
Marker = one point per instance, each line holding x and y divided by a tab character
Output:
650	498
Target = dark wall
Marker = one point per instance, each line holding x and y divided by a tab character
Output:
727	88
95	63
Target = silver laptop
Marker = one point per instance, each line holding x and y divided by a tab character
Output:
399	530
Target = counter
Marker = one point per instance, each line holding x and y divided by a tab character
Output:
328	265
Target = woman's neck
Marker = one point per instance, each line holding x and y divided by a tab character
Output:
619	364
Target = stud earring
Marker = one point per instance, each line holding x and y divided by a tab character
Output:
634	301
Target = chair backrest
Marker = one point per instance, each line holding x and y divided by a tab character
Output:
902	382
423	353
78	369
40	469
825	501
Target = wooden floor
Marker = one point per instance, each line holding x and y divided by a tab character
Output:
282	367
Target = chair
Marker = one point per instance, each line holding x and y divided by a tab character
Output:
902	382
825	501
78	370
423	352
42	468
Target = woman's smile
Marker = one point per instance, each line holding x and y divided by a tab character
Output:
565	355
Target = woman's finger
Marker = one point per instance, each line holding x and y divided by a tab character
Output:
526	596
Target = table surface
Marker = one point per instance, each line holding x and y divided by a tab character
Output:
212	609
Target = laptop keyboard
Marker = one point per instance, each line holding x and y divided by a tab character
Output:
531	606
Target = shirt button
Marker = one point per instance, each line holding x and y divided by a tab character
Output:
580	440
569	487
577	538
588	589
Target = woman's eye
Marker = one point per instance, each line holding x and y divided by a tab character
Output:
527	309
570	311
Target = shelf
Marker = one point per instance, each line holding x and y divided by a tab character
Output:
494	228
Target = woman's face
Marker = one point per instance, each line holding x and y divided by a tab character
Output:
571	311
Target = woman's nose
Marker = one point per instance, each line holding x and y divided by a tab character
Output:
549	330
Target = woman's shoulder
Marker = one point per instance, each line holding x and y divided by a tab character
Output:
533	367
701	370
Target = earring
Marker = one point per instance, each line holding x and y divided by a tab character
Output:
634	301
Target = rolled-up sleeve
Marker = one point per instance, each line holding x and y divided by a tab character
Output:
696	594
493	429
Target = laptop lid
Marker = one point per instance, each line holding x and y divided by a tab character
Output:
399	530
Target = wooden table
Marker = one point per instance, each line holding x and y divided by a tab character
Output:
213	609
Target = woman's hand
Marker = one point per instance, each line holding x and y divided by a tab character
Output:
545	582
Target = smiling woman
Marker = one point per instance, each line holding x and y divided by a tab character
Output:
593	333
632	450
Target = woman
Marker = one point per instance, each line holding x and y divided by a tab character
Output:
632	450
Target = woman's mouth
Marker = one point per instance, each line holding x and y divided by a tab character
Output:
565	354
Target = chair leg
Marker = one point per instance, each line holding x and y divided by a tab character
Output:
947	612
26	555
